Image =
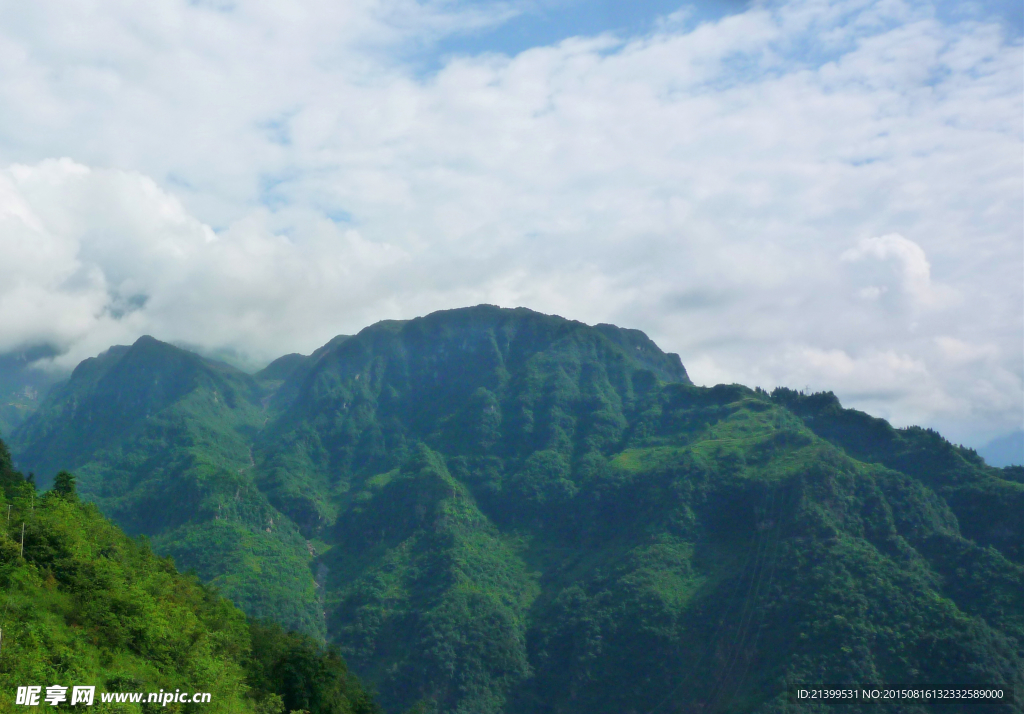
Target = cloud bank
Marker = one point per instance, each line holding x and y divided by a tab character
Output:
814	194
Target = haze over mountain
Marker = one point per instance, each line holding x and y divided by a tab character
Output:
493	510
1007	450
23	385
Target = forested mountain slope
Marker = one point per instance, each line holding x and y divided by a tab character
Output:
160	440
478	381
513	512
84	605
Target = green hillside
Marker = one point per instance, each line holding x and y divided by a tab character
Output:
496	511
160	440
83	604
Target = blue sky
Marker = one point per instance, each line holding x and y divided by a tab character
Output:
821	194
546	22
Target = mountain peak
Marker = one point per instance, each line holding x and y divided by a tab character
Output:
533	330
110	396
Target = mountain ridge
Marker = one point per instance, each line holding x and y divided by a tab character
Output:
488	508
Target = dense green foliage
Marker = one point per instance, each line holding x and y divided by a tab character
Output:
304	675
988	503
511	512
84	604
160	440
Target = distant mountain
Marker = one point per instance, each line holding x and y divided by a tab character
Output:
23	386
1006	450
494	510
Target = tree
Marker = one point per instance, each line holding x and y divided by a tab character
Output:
64	486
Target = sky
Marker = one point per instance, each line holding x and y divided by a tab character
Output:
825	195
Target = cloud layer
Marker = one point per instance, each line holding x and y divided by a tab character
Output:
819	194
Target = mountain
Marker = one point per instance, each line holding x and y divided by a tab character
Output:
160	440
85	605
500	511
505	383
988	503
23	385
1007	450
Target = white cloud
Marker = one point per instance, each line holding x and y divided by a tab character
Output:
961	353
914	270
803	192
101	256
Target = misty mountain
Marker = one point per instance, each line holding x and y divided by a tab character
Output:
23	385
492	510
1006	450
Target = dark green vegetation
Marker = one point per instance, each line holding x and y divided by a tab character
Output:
83	604
498	511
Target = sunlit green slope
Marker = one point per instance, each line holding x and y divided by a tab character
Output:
83	604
